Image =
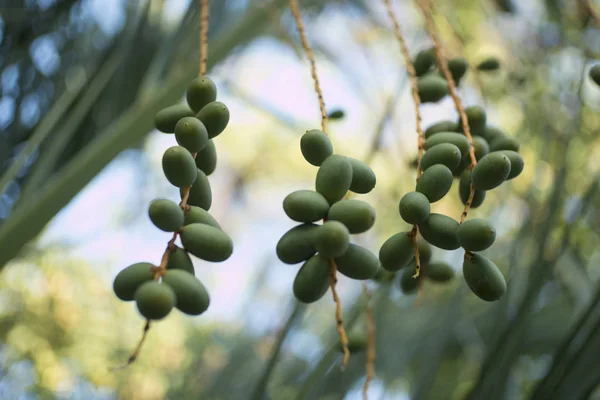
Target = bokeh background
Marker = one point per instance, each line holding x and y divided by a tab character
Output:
80	83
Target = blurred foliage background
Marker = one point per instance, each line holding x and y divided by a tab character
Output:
81	81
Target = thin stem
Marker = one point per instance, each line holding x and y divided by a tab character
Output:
443	64
371	354
204	8
138	348
311	59
338	314
410	68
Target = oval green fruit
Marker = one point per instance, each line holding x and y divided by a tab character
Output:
481	149
357	342
336	114
166	215
363	177
432	88
458	68
444	153
197	215
414	207
215	117
200	192
424	60
191	295
489	64
358	263
129	279
206	159
595	74
442	126
154	300
201	91
491	171
334	178
312	281
207	242
435	182
357	215
166	119
191	133
504	143
332	239
305	206
297	244
490	133
396	252
179	167
464	190
483	277
440	231
316	147
439	272
476	234
408	284
516	163
477	119
180	259
457	139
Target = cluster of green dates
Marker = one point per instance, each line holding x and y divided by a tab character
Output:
431	83
318	246
187	165
447	157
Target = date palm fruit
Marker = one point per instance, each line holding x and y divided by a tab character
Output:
154	300
215	117
200	192
457	139
312	280
332	239
363	177
166	215
432	88
477	120
442	126
414	207
129	279
435	182
458	68
440	231
439	272
167	118
206	159
334	178
336	114
476	234
191	133
489	64
191	295
180	259
490	133
483	277
316	147
357	215
297	244
595	74
179	167
305	206
504	143
358	263
464	189
423	61
481	148
197	215
491	171
200	92
396	252
408	284
207	242
516	163
357	342
444	153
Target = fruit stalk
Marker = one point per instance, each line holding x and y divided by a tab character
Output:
370	343
410	68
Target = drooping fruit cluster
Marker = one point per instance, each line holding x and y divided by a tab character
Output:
447	156
172	284
317	245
